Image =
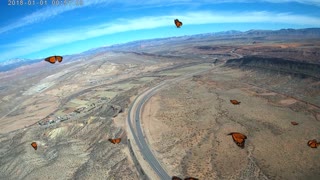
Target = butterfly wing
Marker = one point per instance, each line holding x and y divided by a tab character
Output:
115	141
239	135
238	138
313	143
177	23
50	59
59	58
235	102
112	141
34	145
175	178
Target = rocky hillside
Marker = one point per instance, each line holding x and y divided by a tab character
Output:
74	149
299	69
299	80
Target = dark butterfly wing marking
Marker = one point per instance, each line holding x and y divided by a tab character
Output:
175	178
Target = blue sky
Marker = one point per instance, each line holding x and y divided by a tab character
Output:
37	31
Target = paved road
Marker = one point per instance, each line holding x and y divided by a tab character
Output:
134	113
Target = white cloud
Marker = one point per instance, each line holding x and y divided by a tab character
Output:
47	13
54	38
50	12
312	2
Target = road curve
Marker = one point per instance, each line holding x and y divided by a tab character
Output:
134	113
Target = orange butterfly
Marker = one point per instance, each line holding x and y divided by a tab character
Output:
115	141
53	59
34	145
313	143
238	138
235	102
178	23
294	123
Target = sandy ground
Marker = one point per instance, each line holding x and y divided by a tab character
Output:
77	148
45	95
28	113
187	126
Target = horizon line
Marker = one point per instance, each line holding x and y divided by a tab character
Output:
162	38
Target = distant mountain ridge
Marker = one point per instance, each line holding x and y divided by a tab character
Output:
286	32
15	63
306	33
12	61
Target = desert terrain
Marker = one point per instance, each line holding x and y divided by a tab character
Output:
71	109
187	126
